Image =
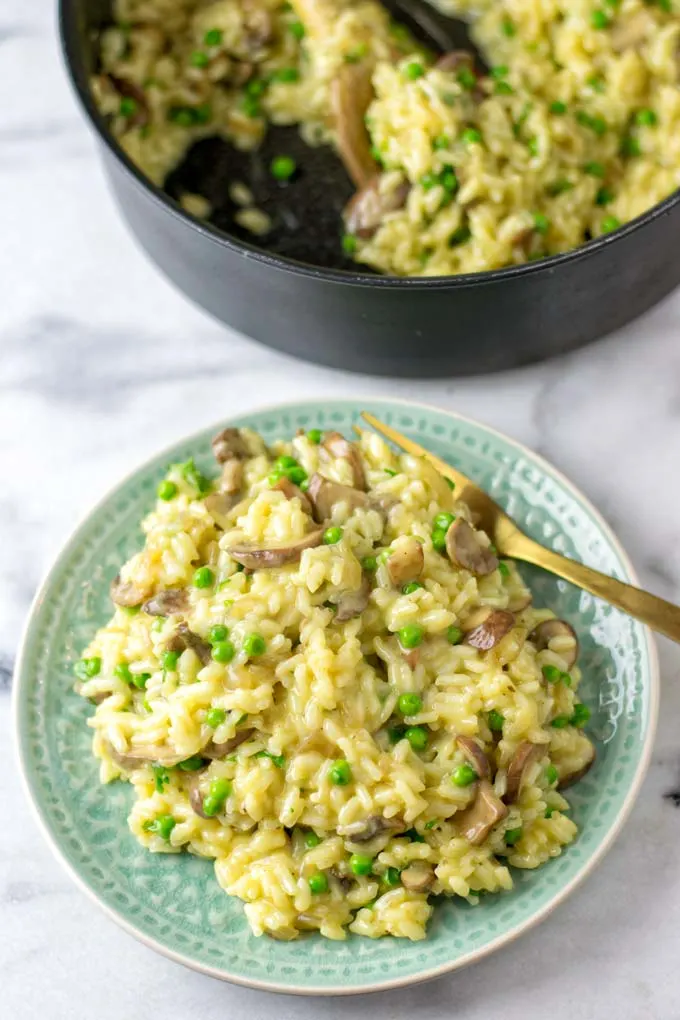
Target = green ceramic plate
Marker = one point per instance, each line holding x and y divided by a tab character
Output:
173	903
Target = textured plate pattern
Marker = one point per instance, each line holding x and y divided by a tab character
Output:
174	901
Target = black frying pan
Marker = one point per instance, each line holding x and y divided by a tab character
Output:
300	295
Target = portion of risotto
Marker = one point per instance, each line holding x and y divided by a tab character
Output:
575	130
320	675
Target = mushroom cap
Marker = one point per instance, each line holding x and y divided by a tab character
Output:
418	877
291	491
475	755
167	602
335	444
127	593
229	444
465	549
488	628
351	94
476	821
406	561
351	603
366	209
255	557
563	633
324	495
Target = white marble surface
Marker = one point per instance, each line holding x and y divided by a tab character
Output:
101	363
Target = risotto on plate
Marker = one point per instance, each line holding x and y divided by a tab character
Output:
319	675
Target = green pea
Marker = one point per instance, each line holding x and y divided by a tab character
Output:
315	436
85	669
191	764
275	476
439	540
443	521
167	490
454	635
311	839
414	836
361	864
285	75
340	773
513	836
549	811
122	671
646	118
130	610
594	168
128	106
169	660
253	645
558	108
503	569
496	721
414	70
599	19
204	577
297	475
541	223
411	635
218	632
223	651
552	674
458	237
417	737
369	563
471	136
503	88
630	146
161	777
581	715
551	775
610	223
297	30
318	883
218	792
162	826
396	733
508	28
466	78
251	107
140	680
199	59
560	721
412	586
283	167
214	717
410	704
566	679
286	461
392	877
604	196
213	37
464	775
332	536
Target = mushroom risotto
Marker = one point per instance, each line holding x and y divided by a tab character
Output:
574	130
319	675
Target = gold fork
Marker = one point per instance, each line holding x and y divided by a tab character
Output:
511	542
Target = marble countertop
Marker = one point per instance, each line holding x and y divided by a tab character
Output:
101	364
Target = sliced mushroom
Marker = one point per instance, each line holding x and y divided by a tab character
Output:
366	210
291	491
476	821
127	593
564	635
488	627
167	602
569	778
454	60
369	828
325	495
351	603
184	638
337	446
143	754
523	758
465	549
255	557
219	505
350	96
475	755
418	877
231	479
217	751
406	561
196	800
229	444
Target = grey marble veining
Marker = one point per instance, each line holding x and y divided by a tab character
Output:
101	364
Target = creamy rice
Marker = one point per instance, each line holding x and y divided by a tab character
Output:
326	728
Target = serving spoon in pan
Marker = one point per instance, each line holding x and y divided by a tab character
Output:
305	211
658	614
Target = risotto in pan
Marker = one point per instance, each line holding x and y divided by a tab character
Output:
572	130
319	675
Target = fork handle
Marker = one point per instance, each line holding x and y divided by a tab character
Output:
658	614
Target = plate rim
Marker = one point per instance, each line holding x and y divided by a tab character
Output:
432	973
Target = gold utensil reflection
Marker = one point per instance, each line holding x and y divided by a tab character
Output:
658	614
